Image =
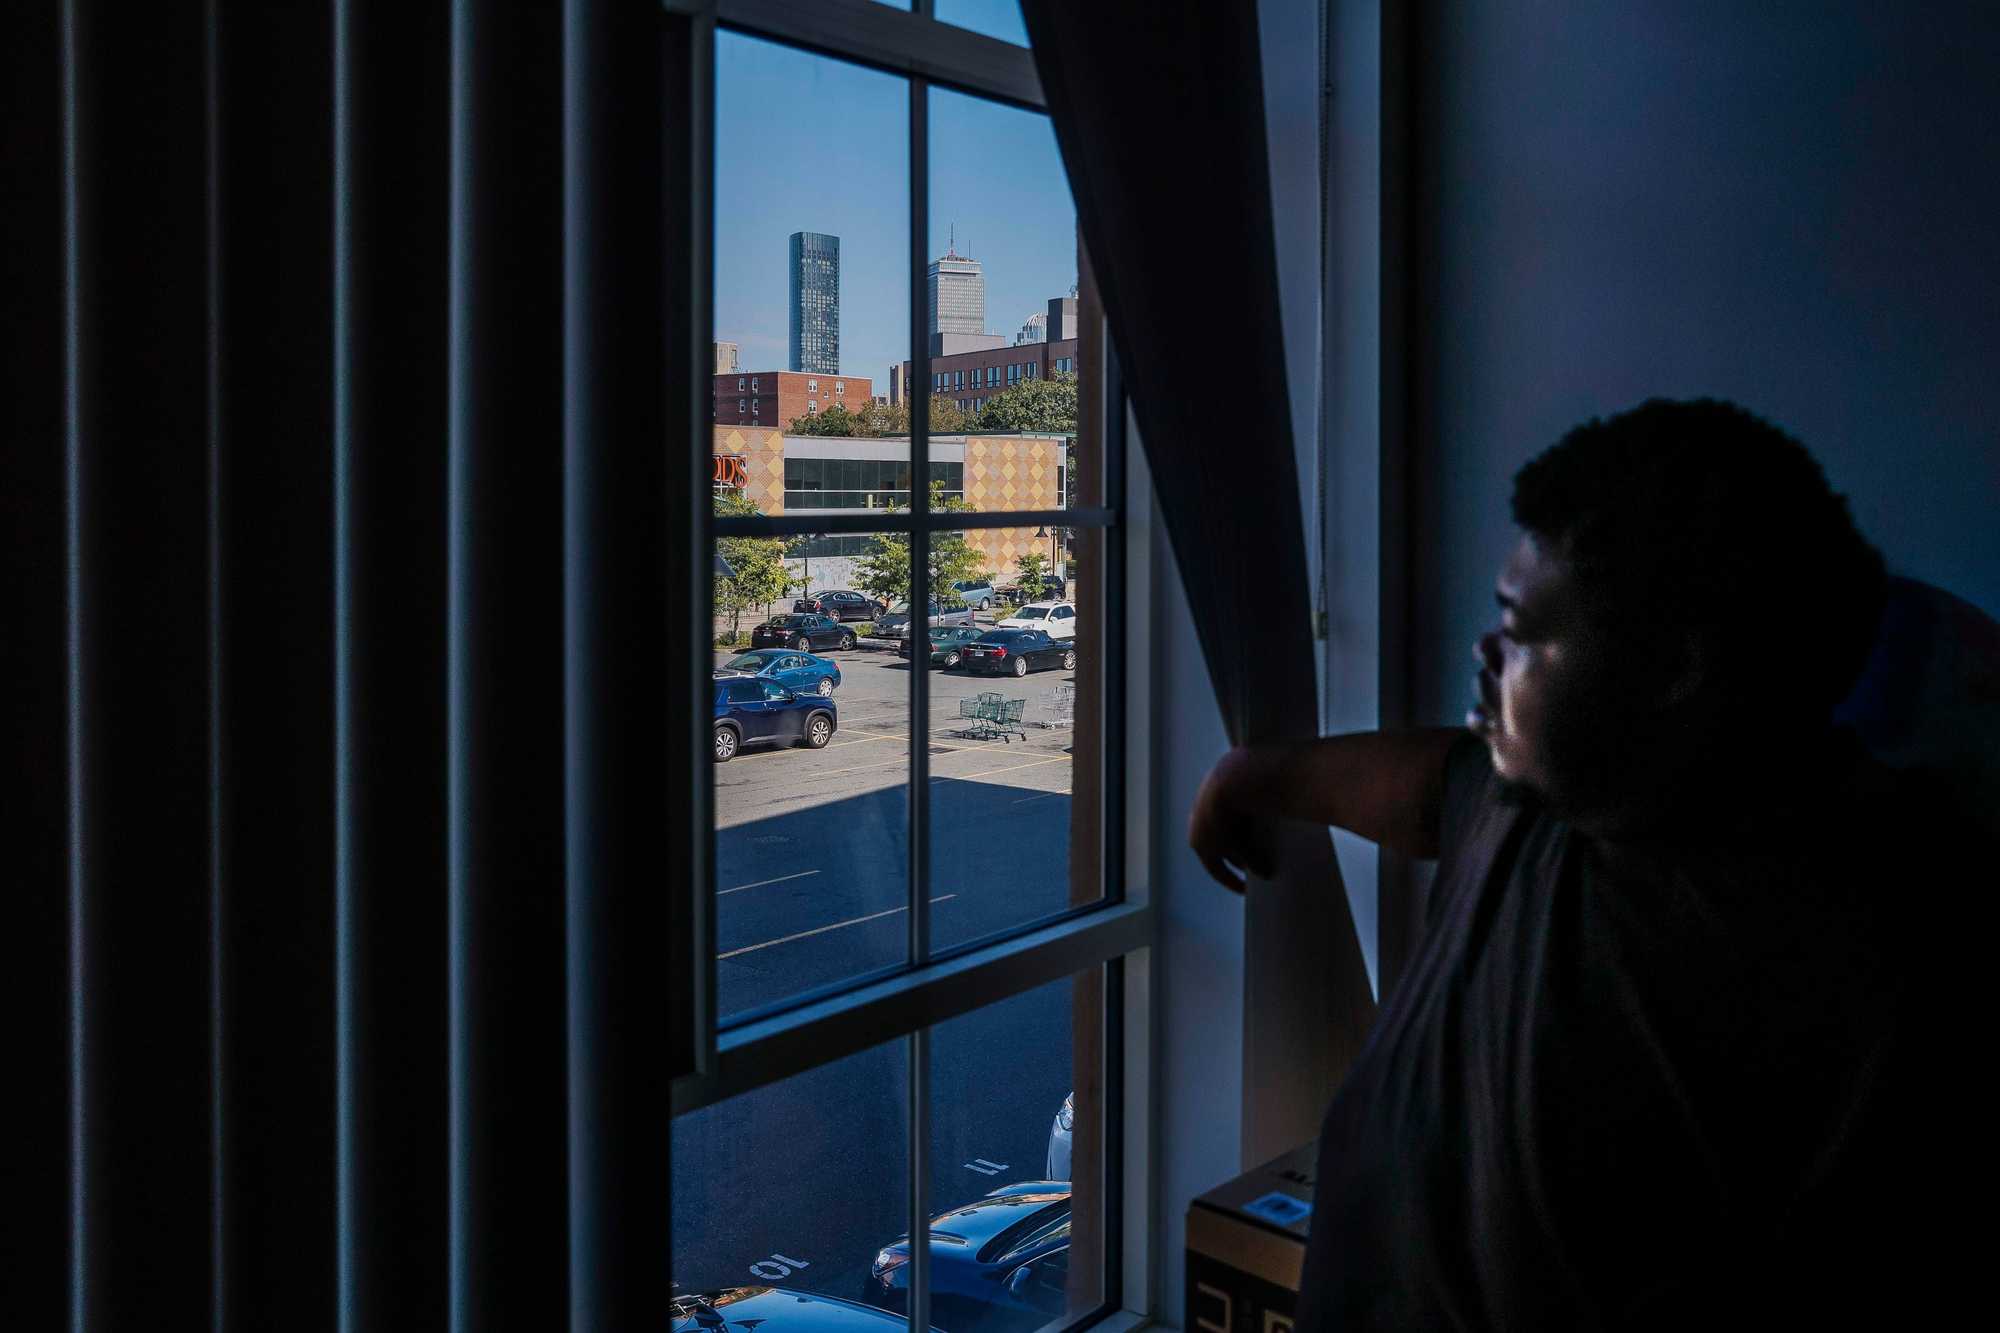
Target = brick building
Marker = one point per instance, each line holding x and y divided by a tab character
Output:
776	398
970	378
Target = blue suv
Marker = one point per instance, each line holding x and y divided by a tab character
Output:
749	711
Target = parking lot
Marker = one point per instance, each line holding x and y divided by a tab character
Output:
800	1183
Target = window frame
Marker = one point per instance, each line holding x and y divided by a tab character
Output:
1113	935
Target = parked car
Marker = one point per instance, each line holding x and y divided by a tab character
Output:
776	1310
840	604
977	593
947	642
998	1265
1059	1139
1056	619
1052	588
802	632
749	711
896	622
1016	652
789	667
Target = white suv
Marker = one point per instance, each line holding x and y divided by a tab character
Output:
1055	619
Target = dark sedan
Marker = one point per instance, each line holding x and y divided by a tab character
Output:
802	632
749	711
1016	652
998	1265
839	603
947	642
776	1310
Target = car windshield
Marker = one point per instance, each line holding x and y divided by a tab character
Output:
1032	613
747	662
797	622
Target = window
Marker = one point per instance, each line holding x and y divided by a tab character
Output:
812	386
753	384
739	384
739	407
840	386
941	873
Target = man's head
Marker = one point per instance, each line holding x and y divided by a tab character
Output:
1688	594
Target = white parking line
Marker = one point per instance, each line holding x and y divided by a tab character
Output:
967	777
762	882
1039	795
821	930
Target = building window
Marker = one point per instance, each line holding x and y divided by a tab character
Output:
798	930
753	384
812	386
840	386
739	407
739	384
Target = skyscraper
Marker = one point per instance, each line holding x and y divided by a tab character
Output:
815	303
957	291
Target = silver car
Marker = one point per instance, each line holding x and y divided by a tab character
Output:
896	624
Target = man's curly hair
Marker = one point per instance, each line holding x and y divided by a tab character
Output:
1698	520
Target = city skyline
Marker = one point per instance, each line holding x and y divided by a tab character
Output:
810	144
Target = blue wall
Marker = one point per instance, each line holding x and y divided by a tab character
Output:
1792	205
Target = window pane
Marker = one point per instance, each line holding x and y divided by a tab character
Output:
811	290
811	284
995	18
812	787
791	1189
1017	1166
1001	290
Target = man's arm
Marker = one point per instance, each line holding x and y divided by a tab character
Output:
1385	786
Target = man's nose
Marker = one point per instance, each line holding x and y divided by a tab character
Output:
1486	652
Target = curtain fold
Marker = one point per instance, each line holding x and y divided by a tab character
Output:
1159	112
341	528
390	229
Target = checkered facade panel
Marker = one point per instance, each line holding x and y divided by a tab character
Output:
763	454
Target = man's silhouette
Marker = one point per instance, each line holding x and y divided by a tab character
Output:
1681	1044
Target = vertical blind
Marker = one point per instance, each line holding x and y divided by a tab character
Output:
349	943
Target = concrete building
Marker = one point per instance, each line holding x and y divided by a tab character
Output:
1060	320
776	398
956	287
810	474
726	356
814	308
970	378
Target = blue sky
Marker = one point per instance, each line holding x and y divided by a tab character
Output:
809	144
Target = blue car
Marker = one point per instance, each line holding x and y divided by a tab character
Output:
998	1265
797	671
749	711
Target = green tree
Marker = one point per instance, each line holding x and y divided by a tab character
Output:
758	562
836	420
1039	405
1034	566
885	571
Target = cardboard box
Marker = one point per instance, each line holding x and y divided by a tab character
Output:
1246	1243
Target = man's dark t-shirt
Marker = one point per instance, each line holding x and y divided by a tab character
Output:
1656	1084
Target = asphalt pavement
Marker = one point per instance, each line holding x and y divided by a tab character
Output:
798	1184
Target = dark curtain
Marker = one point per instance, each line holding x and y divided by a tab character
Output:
1159	111
347	969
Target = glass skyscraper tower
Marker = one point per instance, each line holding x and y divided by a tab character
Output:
815	305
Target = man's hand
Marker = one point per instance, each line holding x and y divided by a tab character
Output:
1222	827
